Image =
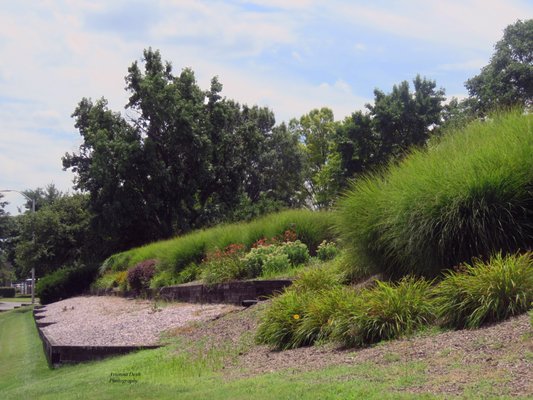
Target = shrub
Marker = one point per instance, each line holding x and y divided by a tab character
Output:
256	258
386	311
139	276
276	262
327	251
486	292
467	195
319	315
7	291
296	251
65	282
279	322
224	265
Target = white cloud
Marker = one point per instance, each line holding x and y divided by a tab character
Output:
52	57
469	65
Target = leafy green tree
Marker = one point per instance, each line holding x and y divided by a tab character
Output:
56	235
42	196
186	158
322	162
508	78
403	118
110	166
6	269
357	144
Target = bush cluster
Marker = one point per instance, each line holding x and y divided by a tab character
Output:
486	292
269	259
472	295
7	291
327	251
139	276
468	194
65	282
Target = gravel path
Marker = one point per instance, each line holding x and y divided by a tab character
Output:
115	321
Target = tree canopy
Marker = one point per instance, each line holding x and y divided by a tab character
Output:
185	158
508	78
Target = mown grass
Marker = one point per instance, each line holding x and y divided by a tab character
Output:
175	254
17	300
467	195
170	373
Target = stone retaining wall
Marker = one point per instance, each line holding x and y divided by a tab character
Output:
230	292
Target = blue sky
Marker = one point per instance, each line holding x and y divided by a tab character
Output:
291	55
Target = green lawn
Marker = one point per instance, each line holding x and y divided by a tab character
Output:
17	300
174	372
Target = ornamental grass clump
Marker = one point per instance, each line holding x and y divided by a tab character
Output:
385	311
319	317
466	195
280	321
484	292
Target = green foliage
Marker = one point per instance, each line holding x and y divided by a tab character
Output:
280	321
469	194
57	234
508	78
403	119
327	251
395	122
322	162
65	282
224	266
385	311
276	262
316	278
175	254
486	292
281	324
190	273
7	291
297	252
186	158
319	318
256	257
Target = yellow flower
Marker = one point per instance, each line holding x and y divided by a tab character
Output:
296	316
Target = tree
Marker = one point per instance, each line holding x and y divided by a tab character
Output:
322	161
185	158
508	78
55	235
403	119
6	269
42	196
357	144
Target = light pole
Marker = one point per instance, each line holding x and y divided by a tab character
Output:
33	239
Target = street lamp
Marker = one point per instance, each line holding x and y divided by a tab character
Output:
33	238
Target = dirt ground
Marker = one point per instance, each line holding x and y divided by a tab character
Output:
501	353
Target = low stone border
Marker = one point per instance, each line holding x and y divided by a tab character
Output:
230	293
59	354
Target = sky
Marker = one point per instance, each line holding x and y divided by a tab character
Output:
289	55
